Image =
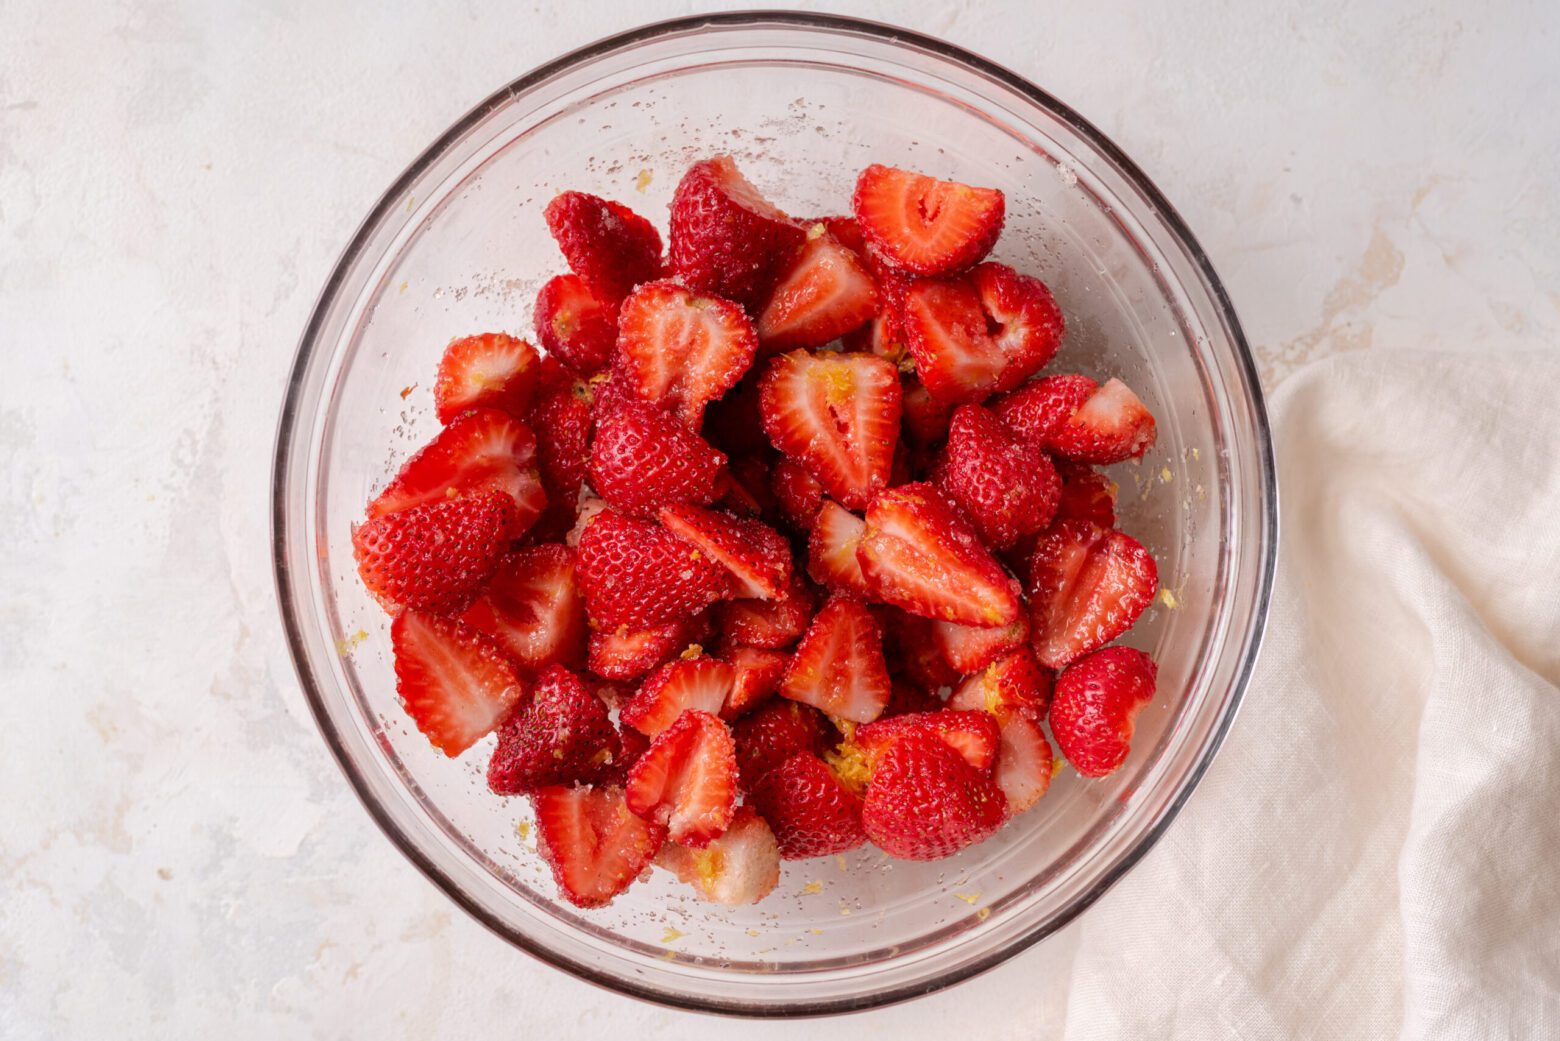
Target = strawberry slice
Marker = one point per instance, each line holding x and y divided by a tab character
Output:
838	667
1037	410
770	624
1097	702
773	733
838	415
974	735
1088	585
924	226
825	293
637	574
1087	495
434	557
534	609
454	682
756	555
559	735
681	351
740	867
796	492
920	555
491	370
1013	685
612	248
643	458
1005	485
756	675
572	324
1024	764
1111	426
812	813
593	844
969	648
687	780
624	654
831	550
726	238
926	802
1022	317
687	683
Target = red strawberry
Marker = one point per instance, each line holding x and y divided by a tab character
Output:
757	556
1007	487
770	624
594	845
831	550
756	675
561	419
740	867
687	779
642	459
454	682
968	648
552	375
622	654
574	326
534	609
1014	684
1022	317
773	733
637	574
1024	764
560	735
487	371
919	554
926	802
811	812
838	415
1112	425
1096	705
686	683
607	244
884	337
1087	495
434	557
746	487
926	418
925	226
907	698
1087	586
838	667
914	651
726	238
973	735
681	351
1037	410
796	492
824	292
609	392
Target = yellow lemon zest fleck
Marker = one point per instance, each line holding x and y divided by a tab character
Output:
754	932
1165	475
983	913
692	651
1168	598
642	182
816	931
707	866
969	898
812	887
672	934
523	829
349	644
851	765
402	287
839	862
816	231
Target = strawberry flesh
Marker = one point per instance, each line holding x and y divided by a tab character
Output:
680	350
454	682
838	667
1088	585
624	654
757	557
924	226
1111	426
687	780
688	683
740	867
824	293
831	550
595	847
491	370
534	608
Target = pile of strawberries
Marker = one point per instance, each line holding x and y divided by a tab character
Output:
783	545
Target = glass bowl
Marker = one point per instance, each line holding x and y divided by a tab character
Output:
458	245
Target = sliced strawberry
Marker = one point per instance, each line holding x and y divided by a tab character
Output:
559	735
643	458
1036	411
831	550
973	735
680	350
926	802
836	414
574	325
838	667
811	812
824	293
1095	709
770	624
1014	684
1111	426
926	418
925	226
796	492
1022	317
454	682
686	683
1024	764
756	555
1088	585
740	867
913	652
1087	495
624	654
746	488
687	780
491	370
434	557
534	609
593	844
756	675
773	733
726	238
637	574
1006	486
612	248
969	648
561	420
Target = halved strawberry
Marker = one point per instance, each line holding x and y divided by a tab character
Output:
919	554
1112	425
624	654
575	326
740	867
824	293
831	550
643	458
836	414
1022	317
454	682
770	624
811	812
687	779
1095	709
925	226
559	735
726	238
491	370
637	574
1037	410
1013	685
534	608
838	667
973	735
1088	585
1087	495
884	337
969	648
687	683
1006	486
756	555
926	802
1024	764
594	845
680	350
607	244
796	492
434	557
773	733
756	674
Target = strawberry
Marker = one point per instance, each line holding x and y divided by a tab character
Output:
884	337
926	418
1111	426
756	675
593	844
726	238
608	392
1087	495
838	667
637	574
1037	410
1087	586
1006	486
621	654
974	735
915	653
559	735
575	326
838	415
968	648
1014	684
561	420
811	812
919	554
534	609
612	248
770	624
925	801
685	683
845	231
1095	708
454	682
487	371
740	867
642	459
1023	318
631	745
924	226
831	550
745	489
1024	764
434	557
823	293
796	492
681	351
757	557
773	733
687	779
482	450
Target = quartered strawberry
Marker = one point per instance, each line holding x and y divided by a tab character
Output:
1006	486
773	733
643	459
454	682
1087	586
770	624
924	226
797	493
1013	685
1024	765
838	667
926	418
969	648
756	555
811	812
687	779
612	248
823	293
575	326
926	802
740	867
685	683
559	735
437	556
534	608
637	574
1087	495
838	415
624	654
745	488
973	735
1037	410
831	550
680	350
1096	705
593	844
561	420
1110	426
726	238
919	554
756	674
491	370
914	653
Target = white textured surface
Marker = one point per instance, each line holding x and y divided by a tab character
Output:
178	856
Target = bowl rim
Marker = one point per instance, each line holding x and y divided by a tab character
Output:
886	33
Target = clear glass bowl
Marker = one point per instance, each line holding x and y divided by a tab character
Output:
803	101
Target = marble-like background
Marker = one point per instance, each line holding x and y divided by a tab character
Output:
178	855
